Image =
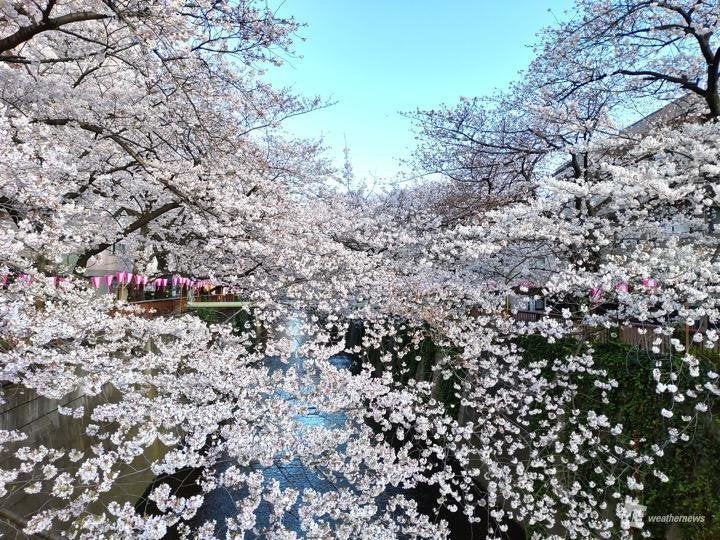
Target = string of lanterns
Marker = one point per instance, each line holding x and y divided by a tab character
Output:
649	284
139	280
122	279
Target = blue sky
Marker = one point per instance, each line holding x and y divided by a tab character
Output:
379	57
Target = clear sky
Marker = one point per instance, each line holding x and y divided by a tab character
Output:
379	57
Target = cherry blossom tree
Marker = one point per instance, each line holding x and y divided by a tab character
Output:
658	48
605	61
148	123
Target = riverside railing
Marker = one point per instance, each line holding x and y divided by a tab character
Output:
636	334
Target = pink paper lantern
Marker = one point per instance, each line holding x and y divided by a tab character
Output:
138	280
596	294
95	281
161	282
622	287
650	284
109	280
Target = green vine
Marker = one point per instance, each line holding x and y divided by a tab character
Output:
693	488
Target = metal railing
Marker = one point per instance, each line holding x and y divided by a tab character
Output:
636	334
177	304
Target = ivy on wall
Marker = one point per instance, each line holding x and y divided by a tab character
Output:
693	486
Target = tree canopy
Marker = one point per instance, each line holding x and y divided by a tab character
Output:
149	124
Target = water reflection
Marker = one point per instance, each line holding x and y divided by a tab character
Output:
220	504
38	417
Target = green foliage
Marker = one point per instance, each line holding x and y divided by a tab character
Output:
209	316
417	363
693	488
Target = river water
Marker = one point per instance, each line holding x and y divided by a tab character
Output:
220	504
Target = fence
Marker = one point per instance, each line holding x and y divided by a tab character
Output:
640	335
176	305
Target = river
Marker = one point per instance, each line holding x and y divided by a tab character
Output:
220	504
